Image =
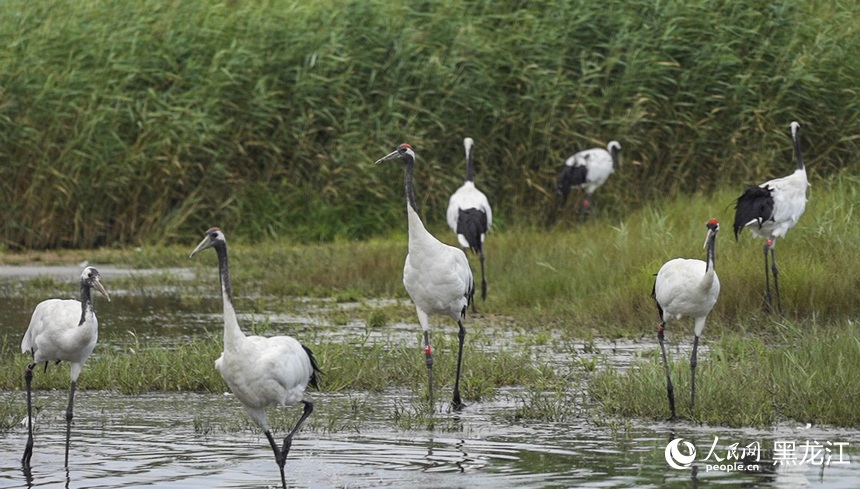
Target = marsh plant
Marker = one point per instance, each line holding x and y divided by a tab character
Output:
265	114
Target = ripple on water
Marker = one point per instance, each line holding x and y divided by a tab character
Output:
150	441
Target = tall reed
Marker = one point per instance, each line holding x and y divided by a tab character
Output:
134	122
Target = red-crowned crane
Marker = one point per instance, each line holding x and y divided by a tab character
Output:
588	170
470	216
687	288
769	210
436	276
62	330
260	371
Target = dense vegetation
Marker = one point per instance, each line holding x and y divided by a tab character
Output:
131	122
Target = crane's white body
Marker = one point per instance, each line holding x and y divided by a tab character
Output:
62	330
437	276
687	288
260	371
789	203
467	197
598	162
684	289
55	334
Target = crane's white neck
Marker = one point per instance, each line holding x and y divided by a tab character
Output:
470	164
232	333
796	140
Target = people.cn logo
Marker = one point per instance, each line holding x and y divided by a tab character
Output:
675	458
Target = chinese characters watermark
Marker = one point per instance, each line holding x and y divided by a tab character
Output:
748	458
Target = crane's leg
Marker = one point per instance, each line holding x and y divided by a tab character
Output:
670	389
775	271
428	356
585	207
768	300
288	441
483	280
555	210
693	363
457	403
28	449
280	458
69	418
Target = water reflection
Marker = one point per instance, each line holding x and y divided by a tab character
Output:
151	440
191	440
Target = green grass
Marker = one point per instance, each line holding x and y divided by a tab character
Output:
138	122
562	288
803	374
189	366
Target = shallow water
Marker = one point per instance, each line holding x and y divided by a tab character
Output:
150	440
197	441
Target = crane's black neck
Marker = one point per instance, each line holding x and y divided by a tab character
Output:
614	153
797	154
86	300
712	239
470	166
410	192
224	270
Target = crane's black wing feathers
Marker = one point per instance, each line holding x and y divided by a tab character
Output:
756	204
572	176
472	223
313	382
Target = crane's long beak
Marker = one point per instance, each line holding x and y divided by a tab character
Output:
389	156
711	233
206	243
101	288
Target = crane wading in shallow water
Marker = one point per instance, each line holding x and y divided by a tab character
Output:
687	288
260	371
61	330
588	170
436	276
769	210
470	216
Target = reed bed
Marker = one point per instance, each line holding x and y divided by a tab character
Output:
140	122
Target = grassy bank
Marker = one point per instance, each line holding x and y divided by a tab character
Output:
578	278
556	288
804	373
138	122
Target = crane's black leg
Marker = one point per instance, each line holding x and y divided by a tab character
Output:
69	418
768	300
457	403
280	458
670	389
428	356
775	271
483	280
288	441
693	363
28	449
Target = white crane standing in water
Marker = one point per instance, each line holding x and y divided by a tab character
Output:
436	276
470	216
588	169
687	288
260	371
771	209
61	330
